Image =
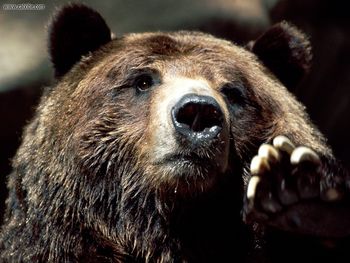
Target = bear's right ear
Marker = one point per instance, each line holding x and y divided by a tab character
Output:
74	31
286	51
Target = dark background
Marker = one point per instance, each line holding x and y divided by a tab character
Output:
25	69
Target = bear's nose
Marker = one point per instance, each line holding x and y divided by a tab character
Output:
197	118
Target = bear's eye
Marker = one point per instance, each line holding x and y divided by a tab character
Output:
233	93
143	82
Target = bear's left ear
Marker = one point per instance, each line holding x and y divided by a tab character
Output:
285	51
74	31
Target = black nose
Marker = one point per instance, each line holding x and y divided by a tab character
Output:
197	117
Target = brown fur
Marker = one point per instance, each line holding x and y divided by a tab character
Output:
83	188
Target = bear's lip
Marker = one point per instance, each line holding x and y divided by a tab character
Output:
190	159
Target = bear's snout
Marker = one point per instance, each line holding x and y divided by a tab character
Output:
198	119
192	122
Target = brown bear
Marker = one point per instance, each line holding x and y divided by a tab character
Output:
173	147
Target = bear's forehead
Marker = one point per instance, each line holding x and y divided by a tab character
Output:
189	53
177	42
180	44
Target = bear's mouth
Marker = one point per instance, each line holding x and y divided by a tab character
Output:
187	159
190	172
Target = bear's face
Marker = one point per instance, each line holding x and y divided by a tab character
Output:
174	107
154	94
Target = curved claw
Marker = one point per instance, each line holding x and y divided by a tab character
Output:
284	144
252	185
269	152
304	154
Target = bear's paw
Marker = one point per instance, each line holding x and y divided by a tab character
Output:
293	189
